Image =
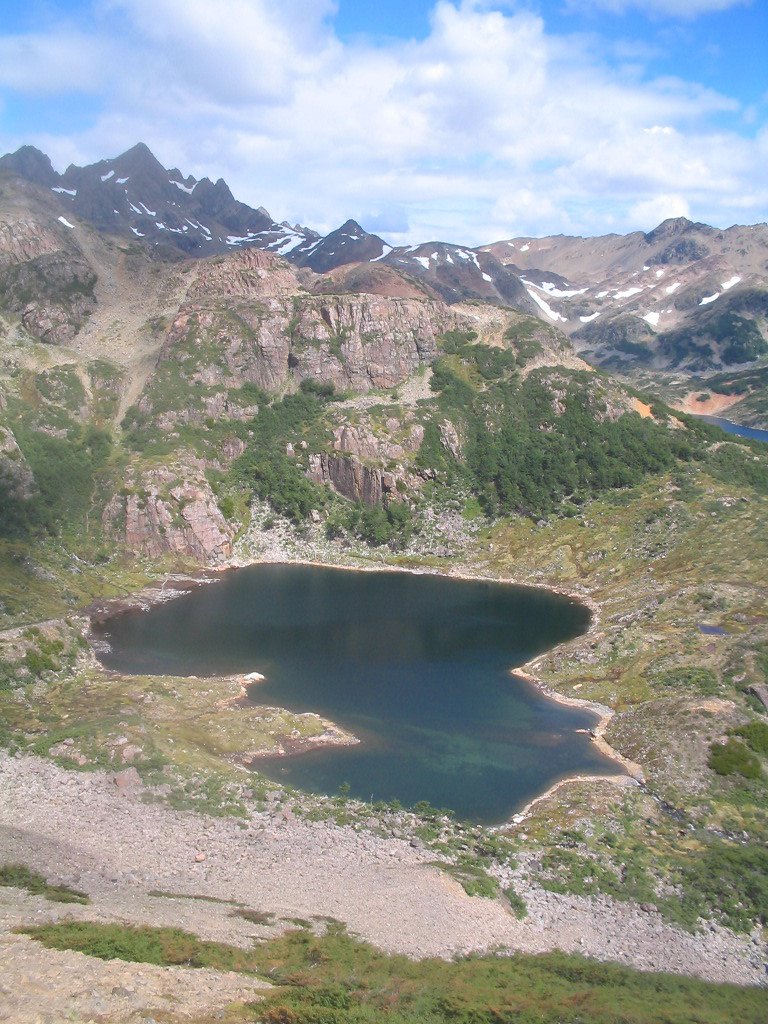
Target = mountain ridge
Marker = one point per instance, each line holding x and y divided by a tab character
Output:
683	295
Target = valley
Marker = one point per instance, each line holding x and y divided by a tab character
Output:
187	386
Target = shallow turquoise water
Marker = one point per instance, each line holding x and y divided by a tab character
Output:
417	666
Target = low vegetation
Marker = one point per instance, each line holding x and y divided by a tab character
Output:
335	979
18	876
166	947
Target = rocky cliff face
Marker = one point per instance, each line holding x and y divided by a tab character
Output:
44	279
355	342
170	511
368	462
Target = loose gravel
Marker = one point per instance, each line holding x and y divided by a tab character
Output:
83	830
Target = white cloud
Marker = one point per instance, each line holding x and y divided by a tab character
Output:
488	127
40	63
664	8
659	208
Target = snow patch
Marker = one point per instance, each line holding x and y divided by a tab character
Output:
547	309
149	213
65	222
64	191
709	298
525	248
557	293
730	282
137	233
659	273
590	318
189	189
651	318
627	293
287	243
423	260
601	295
107	176
487	277
673	287
385	252
122	181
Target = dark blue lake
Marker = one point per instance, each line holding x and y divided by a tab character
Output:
415	665
737	428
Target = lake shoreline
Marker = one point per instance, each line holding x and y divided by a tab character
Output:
181	584
633	771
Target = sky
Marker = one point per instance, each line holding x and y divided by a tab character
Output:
456	120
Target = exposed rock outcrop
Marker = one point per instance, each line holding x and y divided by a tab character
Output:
15	473
348	476
367	467
170	511
357	342
250	274
44	280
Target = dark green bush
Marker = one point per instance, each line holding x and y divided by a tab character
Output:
756	735
733	758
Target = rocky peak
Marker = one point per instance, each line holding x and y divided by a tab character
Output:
457	273
669	228
139	159
349	243
32	165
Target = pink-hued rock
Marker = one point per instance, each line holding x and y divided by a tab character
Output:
354	341
169	515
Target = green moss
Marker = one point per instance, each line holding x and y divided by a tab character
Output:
699	680
756	735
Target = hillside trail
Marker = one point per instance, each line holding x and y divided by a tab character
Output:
130	294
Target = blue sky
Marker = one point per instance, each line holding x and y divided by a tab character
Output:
464	120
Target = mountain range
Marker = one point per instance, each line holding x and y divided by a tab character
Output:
684	295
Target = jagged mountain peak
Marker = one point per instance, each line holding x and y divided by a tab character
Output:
349	243
31	164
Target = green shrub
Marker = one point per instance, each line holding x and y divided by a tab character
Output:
733	758
162	946
336	979
756	735
728	880
702	680
18	876
516	903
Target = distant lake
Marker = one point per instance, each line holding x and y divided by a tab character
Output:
737	428
415	665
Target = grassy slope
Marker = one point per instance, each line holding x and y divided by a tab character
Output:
334	979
